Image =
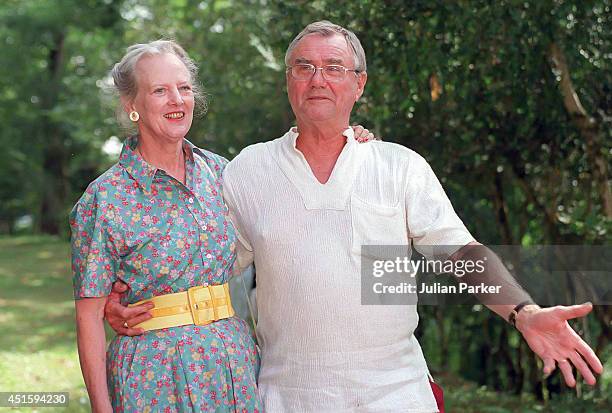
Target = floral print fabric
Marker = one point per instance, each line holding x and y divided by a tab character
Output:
138	224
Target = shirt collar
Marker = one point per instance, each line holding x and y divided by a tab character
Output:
335	193
348	133
139	169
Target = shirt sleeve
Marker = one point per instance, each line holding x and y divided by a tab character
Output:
244	249
433	226
94	257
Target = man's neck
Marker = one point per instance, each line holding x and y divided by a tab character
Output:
320	143
321	148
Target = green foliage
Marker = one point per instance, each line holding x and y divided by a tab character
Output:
466	397
469	84
53	126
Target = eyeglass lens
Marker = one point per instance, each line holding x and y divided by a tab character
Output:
330	72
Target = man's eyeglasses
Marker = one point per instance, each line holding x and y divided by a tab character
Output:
331	73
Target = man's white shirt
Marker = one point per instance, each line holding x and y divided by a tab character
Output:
322	351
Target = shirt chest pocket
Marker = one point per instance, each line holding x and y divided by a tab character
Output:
374	224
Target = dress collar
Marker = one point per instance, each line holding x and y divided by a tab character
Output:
139	169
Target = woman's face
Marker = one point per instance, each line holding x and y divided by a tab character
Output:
164	99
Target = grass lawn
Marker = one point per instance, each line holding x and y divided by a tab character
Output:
38	343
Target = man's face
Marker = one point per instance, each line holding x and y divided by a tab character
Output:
317	100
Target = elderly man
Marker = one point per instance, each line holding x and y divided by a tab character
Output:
304	204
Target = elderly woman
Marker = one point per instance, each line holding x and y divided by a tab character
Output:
156	220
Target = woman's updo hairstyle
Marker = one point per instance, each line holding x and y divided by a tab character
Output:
123	73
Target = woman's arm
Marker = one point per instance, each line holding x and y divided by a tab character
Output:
91	342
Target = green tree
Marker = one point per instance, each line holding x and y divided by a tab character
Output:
49	74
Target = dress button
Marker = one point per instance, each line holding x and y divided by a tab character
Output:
190	200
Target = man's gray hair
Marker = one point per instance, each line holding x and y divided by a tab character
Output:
326	28
124	72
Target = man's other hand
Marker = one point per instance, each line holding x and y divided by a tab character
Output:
121	318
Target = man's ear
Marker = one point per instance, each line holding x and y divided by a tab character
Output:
361	82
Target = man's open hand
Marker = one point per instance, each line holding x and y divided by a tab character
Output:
549	335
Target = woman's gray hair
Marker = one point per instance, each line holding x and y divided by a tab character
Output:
326	28
123	73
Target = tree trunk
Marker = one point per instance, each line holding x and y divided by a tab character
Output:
586	125
55	180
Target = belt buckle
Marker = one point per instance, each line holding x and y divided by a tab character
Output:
196	307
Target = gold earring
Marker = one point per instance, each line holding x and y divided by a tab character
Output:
134	116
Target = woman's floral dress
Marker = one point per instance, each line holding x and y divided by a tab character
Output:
137	224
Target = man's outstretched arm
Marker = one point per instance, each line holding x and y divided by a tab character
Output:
546	330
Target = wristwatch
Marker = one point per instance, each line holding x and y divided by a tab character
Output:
514	313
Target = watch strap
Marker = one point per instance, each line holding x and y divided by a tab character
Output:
515	311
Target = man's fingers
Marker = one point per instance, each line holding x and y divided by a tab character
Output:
124	320
575	311
589	355
131	332
566	370
549	366
128	313
138	319
115	310
582	367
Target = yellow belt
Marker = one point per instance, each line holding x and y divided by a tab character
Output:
198	305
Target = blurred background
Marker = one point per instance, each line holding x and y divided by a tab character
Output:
510	102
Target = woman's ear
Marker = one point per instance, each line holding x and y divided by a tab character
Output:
127	104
